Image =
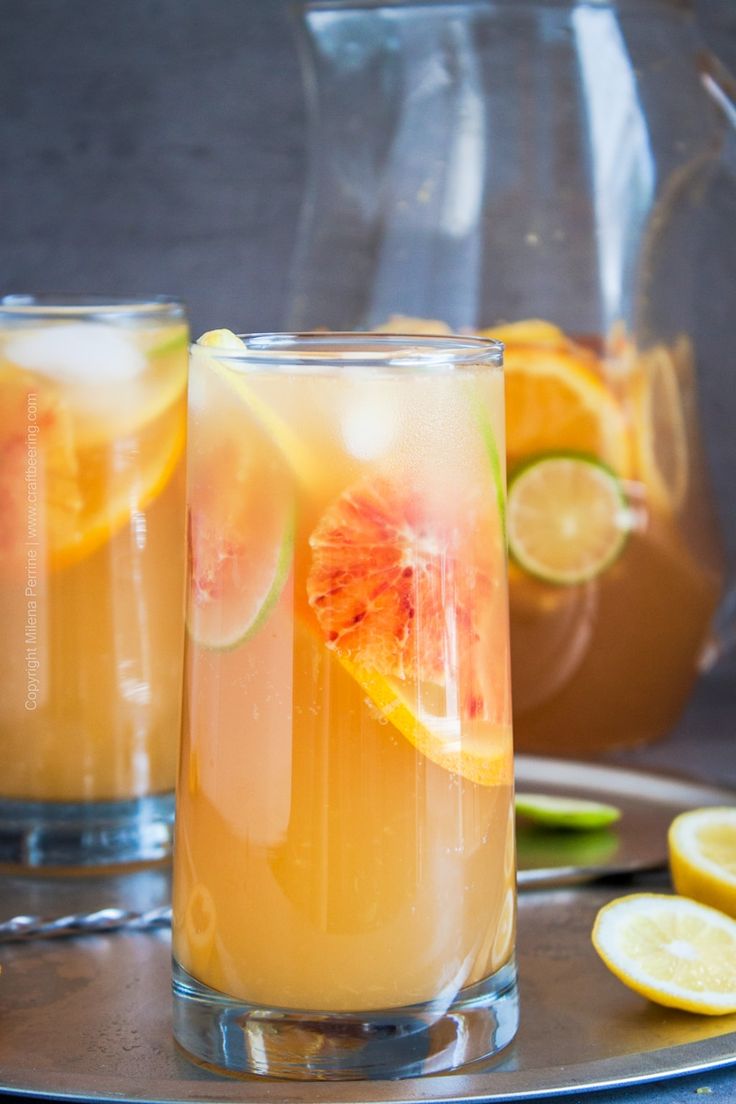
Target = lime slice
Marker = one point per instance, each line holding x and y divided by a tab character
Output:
232	593
573	813
241	523
568	518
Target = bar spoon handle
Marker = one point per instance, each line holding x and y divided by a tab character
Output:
20	929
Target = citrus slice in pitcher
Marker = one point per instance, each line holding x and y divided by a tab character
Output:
568	518
661	440
556	400
405	613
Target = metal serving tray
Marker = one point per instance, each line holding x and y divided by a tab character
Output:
89	1018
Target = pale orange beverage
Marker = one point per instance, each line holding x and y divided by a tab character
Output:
92	436
344	807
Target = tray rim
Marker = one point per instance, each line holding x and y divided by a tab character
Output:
466	1086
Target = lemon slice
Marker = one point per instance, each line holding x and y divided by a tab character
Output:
304	465
661	444
671	950
482	754
702	848
566	812
568	518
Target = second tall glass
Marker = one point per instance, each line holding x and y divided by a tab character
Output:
92	434
344	899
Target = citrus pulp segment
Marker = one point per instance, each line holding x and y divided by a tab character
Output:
670	949
702	851
568	518
572	813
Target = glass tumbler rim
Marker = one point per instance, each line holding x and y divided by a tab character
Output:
50	305
318	352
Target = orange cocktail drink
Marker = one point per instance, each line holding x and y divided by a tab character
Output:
92	435
345	818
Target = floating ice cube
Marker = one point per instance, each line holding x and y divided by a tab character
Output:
369	425
78	353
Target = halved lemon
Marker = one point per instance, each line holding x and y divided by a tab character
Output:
670	949
702	850
568	518
661	452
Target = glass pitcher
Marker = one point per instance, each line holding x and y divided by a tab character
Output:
560	175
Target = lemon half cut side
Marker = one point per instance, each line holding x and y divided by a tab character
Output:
670	949
702	850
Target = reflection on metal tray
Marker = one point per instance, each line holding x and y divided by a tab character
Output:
90	1018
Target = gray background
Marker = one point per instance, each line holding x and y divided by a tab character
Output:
158	145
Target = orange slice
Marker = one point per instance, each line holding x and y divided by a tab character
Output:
86	484
555	400
528	331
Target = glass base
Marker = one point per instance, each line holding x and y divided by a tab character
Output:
90	834
234	1037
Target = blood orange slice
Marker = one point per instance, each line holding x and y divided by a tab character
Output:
415	618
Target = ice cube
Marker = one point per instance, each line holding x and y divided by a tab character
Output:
369	425
78	353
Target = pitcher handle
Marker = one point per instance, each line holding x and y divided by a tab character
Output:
723	634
